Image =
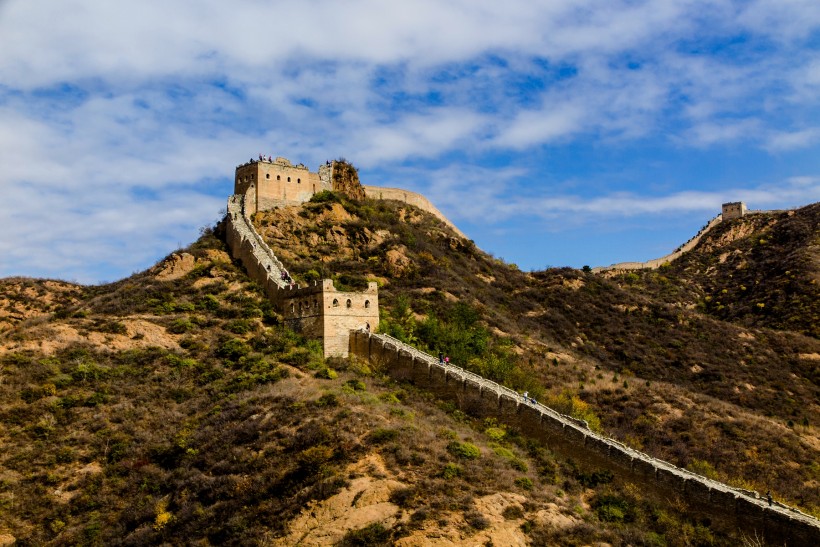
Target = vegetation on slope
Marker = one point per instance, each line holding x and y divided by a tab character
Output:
174	407
759	271
701	392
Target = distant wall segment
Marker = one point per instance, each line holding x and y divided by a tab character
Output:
412	198
658	262
728	508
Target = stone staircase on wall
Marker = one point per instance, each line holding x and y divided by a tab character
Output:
247	245
733	508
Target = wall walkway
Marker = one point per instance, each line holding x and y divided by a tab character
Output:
658	262
726	507
248	246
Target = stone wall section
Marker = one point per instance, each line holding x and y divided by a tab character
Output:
413	198
276	183
728	508
271	183
318	310
321	311
658	262
248	246
729	211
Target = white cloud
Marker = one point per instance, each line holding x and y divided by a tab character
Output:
554	121
779	141
112	111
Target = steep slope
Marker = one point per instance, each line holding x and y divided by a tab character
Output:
173	407
733	402
760	270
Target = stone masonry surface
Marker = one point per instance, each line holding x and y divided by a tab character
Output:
318	310
728	508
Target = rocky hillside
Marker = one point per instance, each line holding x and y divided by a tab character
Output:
762	270
174	407
633	352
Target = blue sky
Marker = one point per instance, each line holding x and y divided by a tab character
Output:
561	132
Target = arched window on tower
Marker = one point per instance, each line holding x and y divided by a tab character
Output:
367	303
267	175
349	303
278	177
335	303
298	181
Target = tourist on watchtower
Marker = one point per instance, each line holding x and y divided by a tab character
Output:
440	358
526	398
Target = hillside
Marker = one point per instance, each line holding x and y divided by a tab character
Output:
733	402
173	406
762	270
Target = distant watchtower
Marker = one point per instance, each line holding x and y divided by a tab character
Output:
734	209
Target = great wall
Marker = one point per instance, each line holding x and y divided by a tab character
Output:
729	211
345	330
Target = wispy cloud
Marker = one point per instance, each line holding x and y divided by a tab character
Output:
110	110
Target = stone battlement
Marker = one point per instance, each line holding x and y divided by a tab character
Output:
269	183
734	209
728	508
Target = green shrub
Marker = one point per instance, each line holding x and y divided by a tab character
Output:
380	436
356	384
326	374
239	326
451	471
327	399
233	349
180	326
325	196
374	535
612	508
524	482
465	451
209	302
389	398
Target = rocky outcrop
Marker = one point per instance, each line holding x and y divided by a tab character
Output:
346	180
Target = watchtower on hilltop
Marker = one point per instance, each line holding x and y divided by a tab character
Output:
269	183
734	209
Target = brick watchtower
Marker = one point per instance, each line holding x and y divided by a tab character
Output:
276	183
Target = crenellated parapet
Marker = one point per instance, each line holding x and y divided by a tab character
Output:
729	508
